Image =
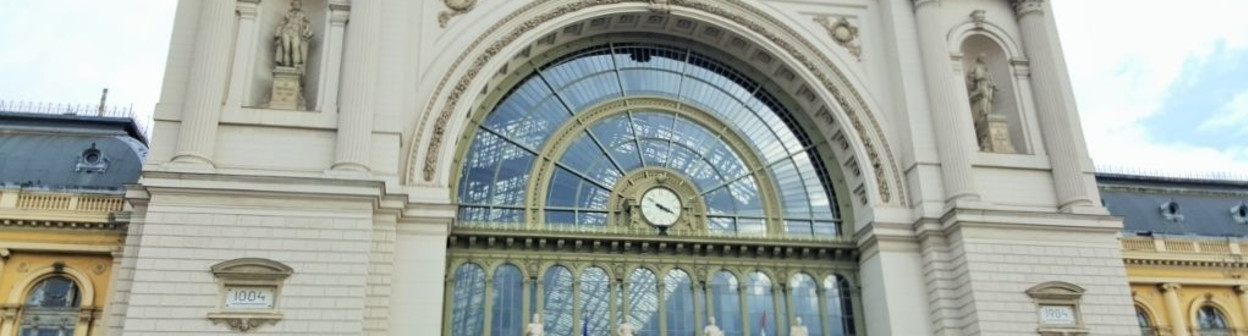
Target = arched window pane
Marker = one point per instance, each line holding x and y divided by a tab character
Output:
643	295
558	315
595	302
727	310
840	310
679	295
1146	324
760	304
51	308
506	319
806	303
1211	322
468	298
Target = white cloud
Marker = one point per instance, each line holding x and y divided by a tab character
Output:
1234	117
1124	55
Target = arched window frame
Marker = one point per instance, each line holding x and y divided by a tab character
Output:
1020	73
86	293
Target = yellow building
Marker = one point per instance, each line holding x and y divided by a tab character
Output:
1184	252
62	187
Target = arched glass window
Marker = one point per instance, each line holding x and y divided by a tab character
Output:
51	308
558	315
1146	324
760	303
727	310
1211	322
508	303
468	312
840	316
596	302
805	298
643	297
494	183
679	294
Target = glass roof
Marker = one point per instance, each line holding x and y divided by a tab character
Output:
494	182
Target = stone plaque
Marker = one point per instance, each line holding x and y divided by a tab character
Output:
249	297
287	89
1057	315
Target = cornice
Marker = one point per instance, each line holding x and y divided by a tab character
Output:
13	223
1144	261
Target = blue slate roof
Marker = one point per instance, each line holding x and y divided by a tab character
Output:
44	151
1204	205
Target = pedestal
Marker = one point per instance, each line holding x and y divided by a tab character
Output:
994	134
287	89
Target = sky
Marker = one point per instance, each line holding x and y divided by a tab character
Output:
1161	88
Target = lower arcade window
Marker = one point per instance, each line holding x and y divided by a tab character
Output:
600	301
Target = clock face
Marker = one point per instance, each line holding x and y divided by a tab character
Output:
660	206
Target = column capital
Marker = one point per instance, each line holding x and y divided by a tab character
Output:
1169	287
1240	289
1024	7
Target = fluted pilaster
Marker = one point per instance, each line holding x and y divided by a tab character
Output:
1051	108
359	87
949	102
206	84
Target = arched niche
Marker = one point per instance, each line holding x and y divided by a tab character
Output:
833	102
254	52
1007	102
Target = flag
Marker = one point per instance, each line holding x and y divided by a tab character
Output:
762	326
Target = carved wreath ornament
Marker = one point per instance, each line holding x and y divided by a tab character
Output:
456	7
843	32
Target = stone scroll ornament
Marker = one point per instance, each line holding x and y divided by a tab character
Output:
843	32
456	7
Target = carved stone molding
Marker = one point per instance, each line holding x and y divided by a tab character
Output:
1169	287
920	3
456	8
1024	7
843	32
848	98
244	322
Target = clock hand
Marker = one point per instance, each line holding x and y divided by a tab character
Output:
665	209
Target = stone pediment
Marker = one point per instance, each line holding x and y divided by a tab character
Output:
252	269
1056	290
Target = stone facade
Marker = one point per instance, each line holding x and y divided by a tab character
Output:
358	197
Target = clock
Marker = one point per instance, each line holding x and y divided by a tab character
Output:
660	207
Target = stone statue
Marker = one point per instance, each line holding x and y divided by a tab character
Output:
292	36
798	329
535	328
983	89
712	329
626	329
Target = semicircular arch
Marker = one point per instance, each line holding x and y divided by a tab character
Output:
846	116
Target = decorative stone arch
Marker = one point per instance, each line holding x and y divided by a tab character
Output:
1023	124
850	121
1149	312
524	274
1211	300
86	289
961	32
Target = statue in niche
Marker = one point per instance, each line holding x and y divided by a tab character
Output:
992	129
712	329
626	329
292	36
290	54
798	329
535	328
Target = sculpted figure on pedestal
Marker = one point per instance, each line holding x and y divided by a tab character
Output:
712	329
798	329
535	328
292	36
983	89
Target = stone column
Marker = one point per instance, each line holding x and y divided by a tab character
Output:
8	315
359	87
205	89
1175	311
1052	109
332	50
244	52
1242	292
950	105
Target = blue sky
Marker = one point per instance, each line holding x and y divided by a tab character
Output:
1160	86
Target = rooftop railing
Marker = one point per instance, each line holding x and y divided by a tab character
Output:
141	122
